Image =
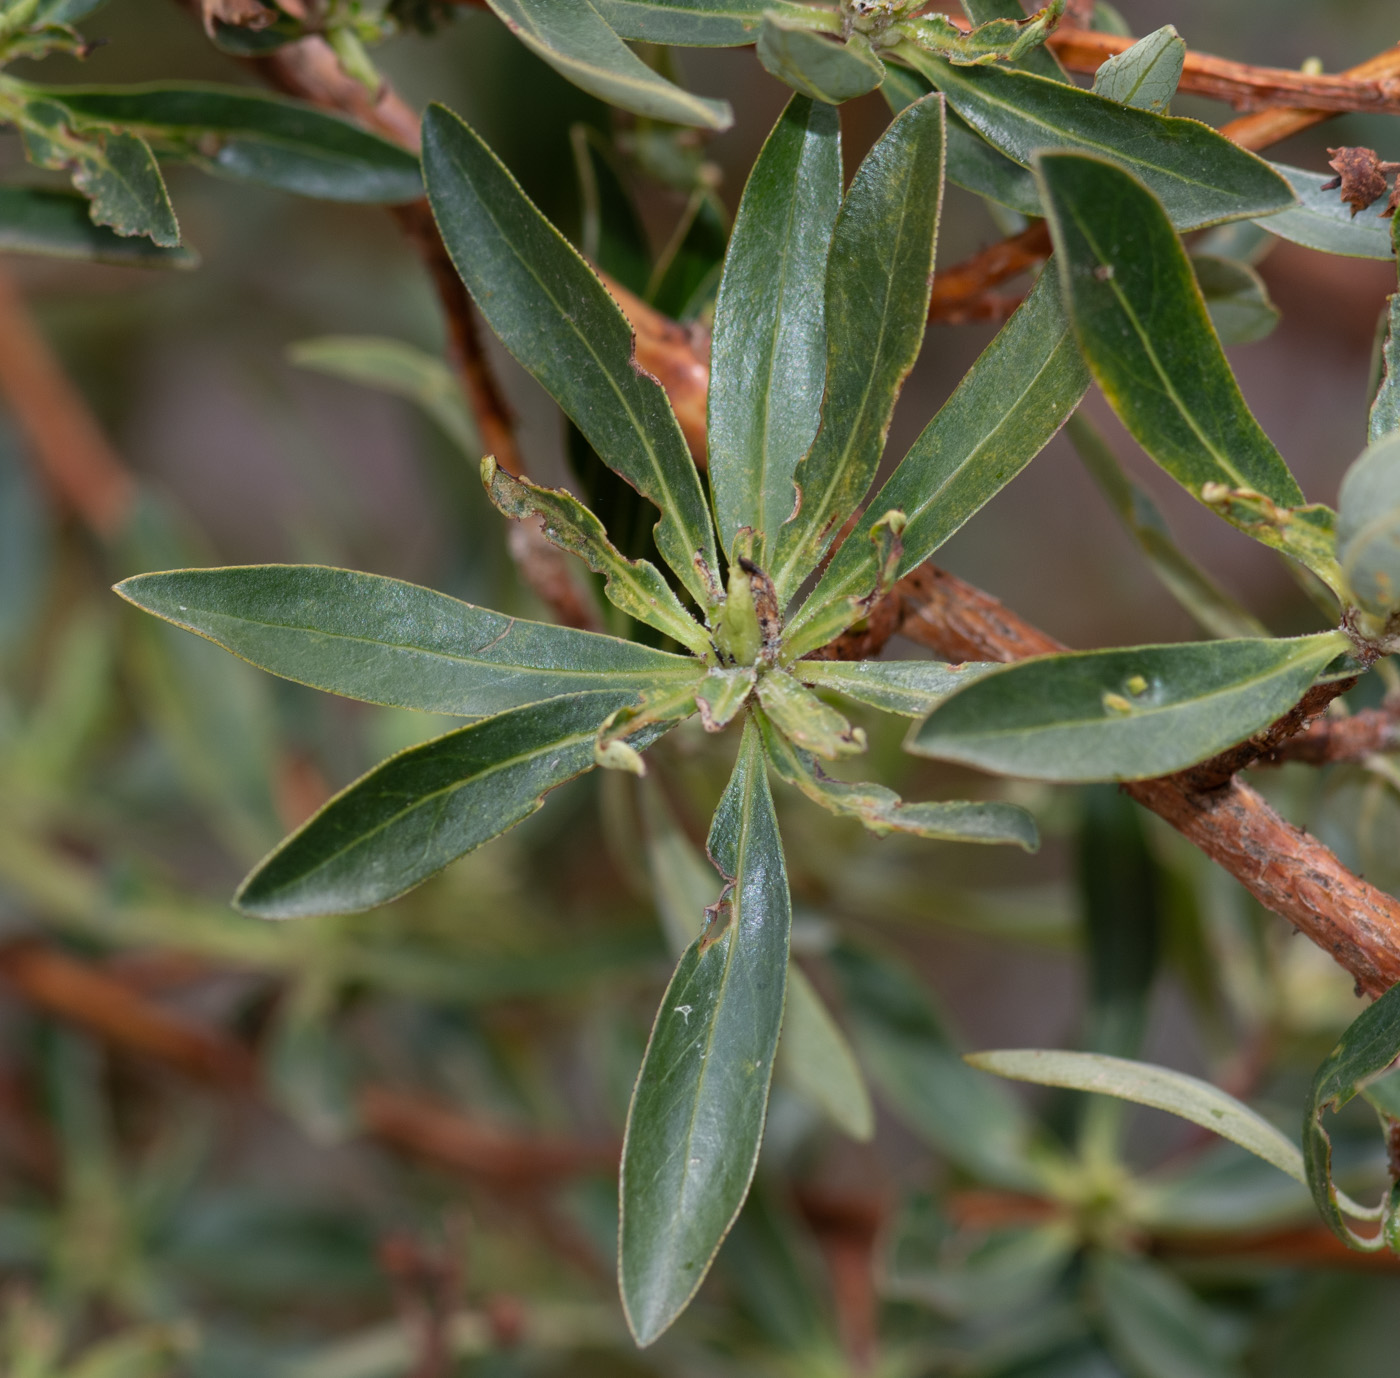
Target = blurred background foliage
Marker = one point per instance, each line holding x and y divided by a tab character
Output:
385	1144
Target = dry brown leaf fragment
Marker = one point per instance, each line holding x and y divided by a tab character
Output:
1360	174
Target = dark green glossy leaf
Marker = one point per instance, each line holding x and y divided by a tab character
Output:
637	587
1145	75
1191	586
818	65
576	41
912	688
915	1066
1012	401
1385	408
613	235
1123	714
877	293
389	642
1143	327
1365	1053
883	811
396	367
697	1115
688	23
554	315
56	224
418	811
768	358
1200	176
1368	528
1039	59
254	136
1236	298
116	171
1153	1324
1144	1084
1322	220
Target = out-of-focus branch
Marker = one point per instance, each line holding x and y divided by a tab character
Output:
1373	88
1329	740
73	454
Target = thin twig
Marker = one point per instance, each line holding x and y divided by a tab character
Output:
1331	740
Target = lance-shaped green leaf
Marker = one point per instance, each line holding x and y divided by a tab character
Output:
576	41
396	367
254	136
1144	76
690	23
883	811
1039	59
1239	304
554	315
916	1068
1012	401
815	1060
116	171
1153	1324
418	811
818	65
877	294
1191	586
1384	418
805	720
1322	220
911	688
1200	176
635	586
1365	1053
1143	327
768	357
1368	527
56	224
1005	40
385	641
697	1114
1145	1084
1123	714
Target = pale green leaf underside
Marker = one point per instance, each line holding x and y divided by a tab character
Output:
1384	419
1144	76
1368	527
911	688
1322	220
1159	1087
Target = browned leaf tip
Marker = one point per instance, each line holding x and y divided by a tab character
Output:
1360	174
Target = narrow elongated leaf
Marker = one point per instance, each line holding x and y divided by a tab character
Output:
768	358
56	224
1161	1088
1365	1053
554	315
1322	220
635	586
399	368
817	65
883	811
418	811
1190	585
1384	419
916	1068
385	641
697	1114
1200	176
688	23
1123	714
254	136
1144	76
1368	527
815	1060
805	720
1236	298
576	41
1012	401
1154	1324
1143	327
877	293
912	688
